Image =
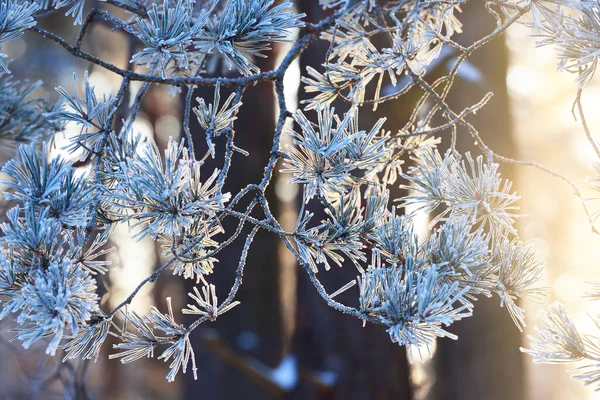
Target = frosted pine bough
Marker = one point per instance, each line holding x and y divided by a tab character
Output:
56	236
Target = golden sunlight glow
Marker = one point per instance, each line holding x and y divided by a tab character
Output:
546	132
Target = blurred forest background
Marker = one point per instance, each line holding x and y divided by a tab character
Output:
285	343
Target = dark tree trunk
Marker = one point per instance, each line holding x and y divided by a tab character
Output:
365	363
223	370
485	362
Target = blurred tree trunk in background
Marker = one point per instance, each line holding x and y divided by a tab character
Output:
364	363
257	324
485	362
